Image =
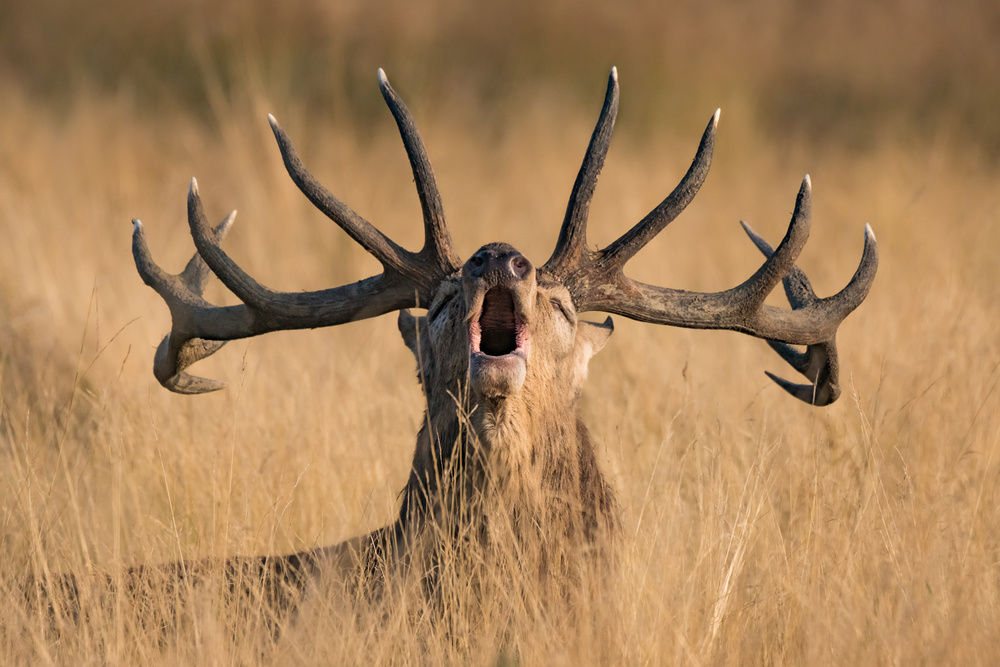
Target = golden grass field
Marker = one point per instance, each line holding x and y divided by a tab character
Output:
757	530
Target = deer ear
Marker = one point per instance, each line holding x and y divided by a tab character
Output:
594	335
410	328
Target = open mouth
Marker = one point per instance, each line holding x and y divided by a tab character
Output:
498	346
498	331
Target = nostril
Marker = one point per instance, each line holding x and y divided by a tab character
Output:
520	265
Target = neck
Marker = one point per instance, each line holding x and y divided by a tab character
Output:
523	457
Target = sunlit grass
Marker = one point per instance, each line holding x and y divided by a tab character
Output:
756	529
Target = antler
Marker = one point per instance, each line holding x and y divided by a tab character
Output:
596	279
199	328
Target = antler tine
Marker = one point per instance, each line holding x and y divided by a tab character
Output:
573	234
437	239
150	272
172	358
197	272
781	261
632	241
846	300
798	290
211	255
363	232
819	363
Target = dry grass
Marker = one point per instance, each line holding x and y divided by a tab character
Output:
757	530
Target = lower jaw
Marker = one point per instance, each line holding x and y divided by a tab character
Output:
497	377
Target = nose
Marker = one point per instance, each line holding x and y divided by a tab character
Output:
499	265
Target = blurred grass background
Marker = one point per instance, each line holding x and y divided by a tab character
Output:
757	530
848	72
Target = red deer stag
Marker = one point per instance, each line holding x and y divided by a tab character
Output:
501	352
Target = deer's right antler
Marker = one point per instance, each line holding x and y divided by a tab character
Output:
198	328
596	280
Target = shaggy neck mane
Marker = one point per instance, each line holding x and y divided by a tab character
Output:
507	465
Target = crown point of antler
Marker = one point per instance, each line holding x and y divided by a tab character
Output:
277	132
223	227
869	232
715	118
614	73
193	191
383	80
136	225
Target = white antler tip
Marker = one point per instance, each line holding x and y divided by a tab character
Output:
807	182
715	117
868	231
194	186
382	79
614	74
136	225
272	121
223	227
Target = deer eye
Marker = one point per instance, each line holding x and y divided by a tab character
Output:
558	305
